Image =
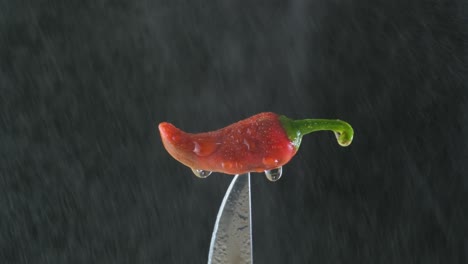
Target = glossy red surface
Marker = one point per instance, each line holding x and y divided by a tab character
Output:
254	144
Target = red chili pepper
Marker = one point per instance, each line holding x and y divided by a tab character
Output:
262	142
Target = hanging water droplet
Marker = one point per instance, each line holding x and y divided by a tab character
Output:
340	141
201	173
337	135
274	174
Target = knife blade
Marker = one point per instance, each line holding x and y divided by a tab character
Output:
231	241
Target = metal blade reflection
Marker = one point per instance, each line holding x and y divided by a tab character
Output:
231	241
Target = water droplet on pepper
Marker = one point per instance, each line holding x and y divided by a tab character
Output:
201	173
337	135
204	148
274	174
270	162
226	165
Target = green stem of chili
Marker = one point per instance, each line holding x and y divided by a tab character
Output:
295	129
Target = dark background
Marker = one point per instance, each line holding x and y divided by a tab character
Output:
83	85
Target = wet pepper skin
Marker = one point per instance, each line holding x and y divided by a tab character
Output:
255	144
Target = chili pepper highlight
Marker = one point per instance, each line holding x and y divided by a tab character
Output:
259	143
